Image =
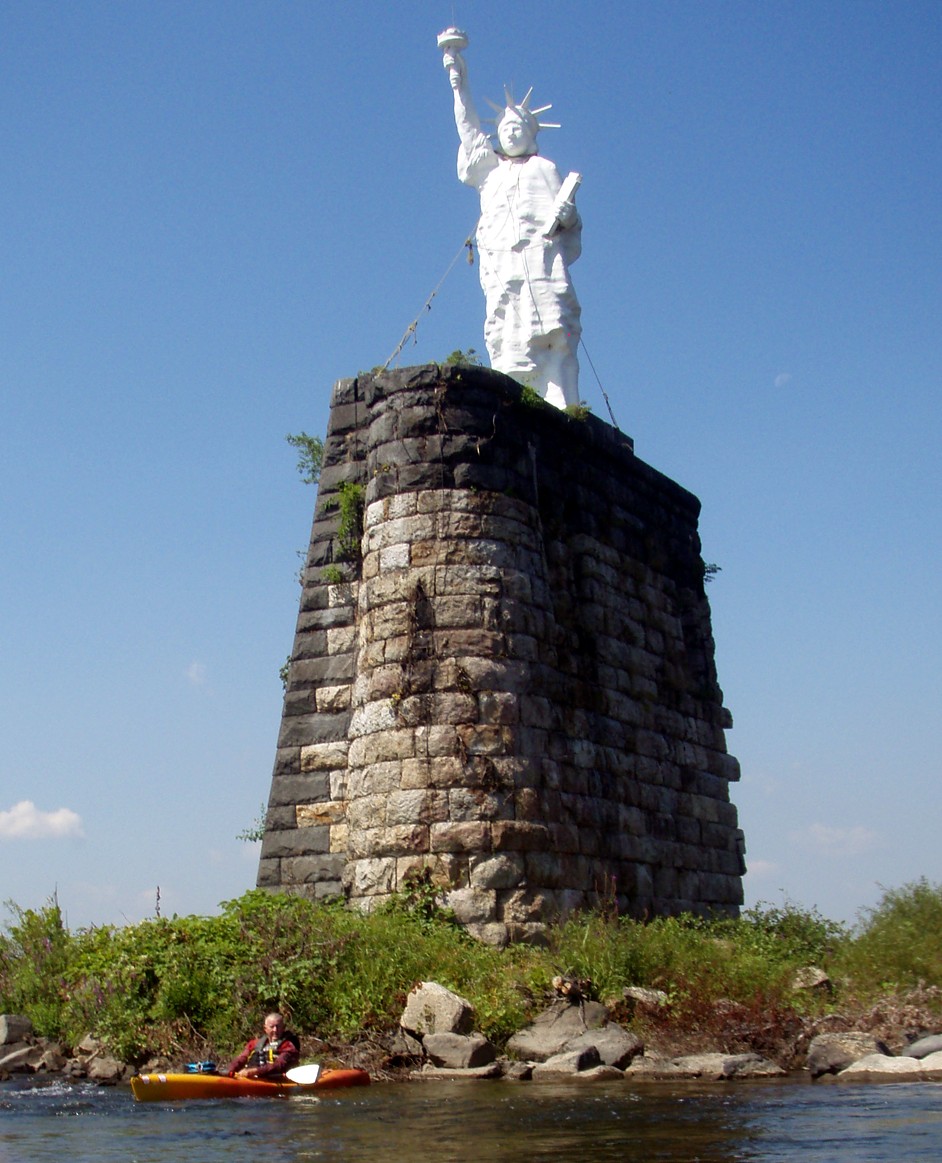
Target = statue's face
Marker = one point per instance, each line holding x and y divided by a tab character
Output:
515	137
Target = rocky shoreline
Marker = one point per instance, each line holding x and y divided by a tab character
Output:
577	1039
572	1038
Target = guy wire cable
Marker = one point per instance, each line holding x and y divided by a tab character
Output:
599	382
468	246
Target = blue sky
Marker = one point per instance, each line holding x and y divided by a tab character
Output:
211	211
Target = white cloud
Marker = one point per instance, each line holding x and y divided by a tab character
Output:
196	674
24	821
838	841
761	869
782	379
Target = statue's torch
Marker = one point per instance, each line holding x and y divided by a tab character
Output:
452	42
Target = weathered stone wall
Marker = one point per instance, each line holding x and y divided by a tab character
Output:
514	684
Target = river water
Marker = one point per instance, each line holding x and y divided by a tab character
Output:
483	1121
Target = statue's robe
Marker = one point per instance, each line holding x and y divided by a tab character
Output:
533	315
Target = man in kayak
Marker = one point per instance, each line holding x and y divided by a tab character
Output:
270	1056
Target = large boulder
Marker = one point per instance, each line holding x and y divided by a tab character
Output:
600	1073
882	1068
105	1070
832	1053
514	1071
558	1024
15	1028
644	1001
932	1066
93	1061
616	1046
445	1073
89	1047
433	1009
811	978
931	1044
459	1051
716	1067
16	1057
52	1056
567	1064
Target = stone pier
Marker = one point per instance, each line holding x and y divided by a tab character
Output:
503	668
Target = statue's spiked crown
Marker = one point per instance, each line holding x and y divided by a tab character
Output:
522	111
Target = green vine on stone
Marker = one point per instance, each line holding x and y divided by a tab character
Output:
530	397
579	412
310	456
350	528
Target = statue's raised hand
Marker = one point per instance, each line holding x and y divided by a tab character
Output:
456	68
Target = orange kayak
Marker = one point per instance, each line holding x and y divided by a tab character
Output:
173	1087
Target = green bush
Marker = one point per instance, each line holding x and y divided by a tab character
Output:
789	934
36	955
459	358
698	958
200	984
896	944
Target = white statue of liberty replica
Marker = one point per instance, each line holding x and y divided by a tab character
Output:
528	235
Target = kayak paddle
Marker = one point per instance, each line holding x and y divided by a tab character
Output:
304	1075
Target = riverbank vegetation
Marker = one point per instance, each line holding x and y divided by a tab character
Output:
195	987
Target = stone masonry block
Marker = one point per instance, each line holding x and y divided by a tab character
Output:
472	905
396	556
324	756
309	729
318	814
503	870
382	746
411	807
312	869
295	842
341	639
436	741
331	699
369	877
390	509
269	873
292	789
446	870
517	836
485	739
471	836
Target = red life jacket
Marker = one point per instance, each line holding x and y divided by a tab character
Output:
265	1052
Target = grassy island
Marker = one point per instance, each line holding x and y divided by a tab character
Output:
193	987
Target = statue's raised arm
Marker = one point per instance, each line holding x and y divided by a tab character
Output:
467	122
528	234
